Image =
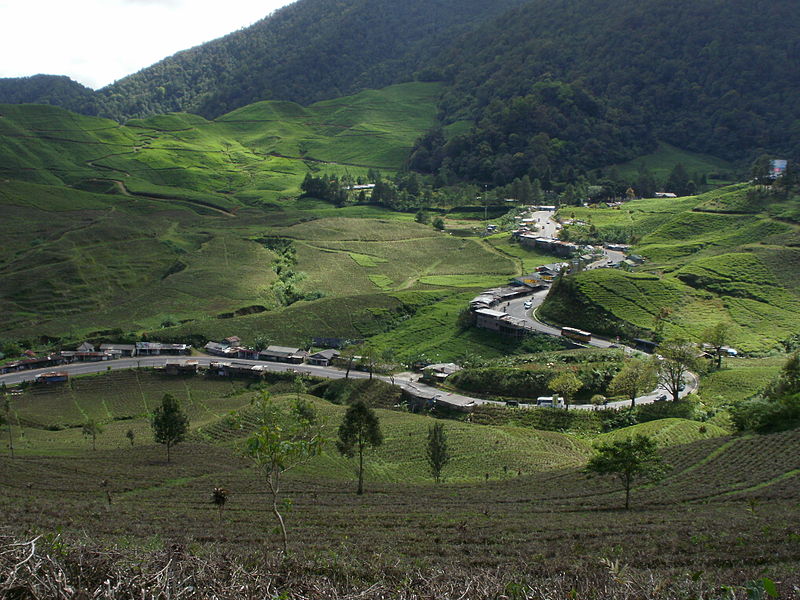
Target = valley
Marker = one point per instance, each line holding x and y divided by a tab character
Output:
529	271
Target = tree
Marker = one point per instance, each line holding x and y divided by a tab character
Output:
678	180
261	342
369	359
169	423
565	384
760	170
5	418
438	224
360	429
283	440
678	357
717	337
422	217
635	377
348	354
437	450
92	429
659	321
219	496
629	459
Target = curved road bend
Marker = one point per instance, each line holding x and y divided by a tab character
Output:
515	308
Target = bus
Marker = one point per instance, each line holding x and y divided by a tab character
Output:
576	334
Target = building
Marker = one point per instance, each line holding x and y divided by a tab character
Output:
221	349
32	363
158	348
234	369
323	358
501	322
283	354
246	353
186	367
86	353
119	350
552	245
439	371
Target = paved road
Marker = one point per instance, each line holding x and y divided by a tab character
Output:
406	381
546	226
516	308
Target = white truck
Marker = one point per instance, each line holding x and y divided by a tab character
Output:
550	402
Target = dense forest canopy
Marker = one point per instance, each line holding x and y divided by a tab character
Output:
308	51
712	76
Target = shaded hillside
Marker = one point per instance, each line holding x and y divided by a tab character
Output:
711	76
58	90
308	51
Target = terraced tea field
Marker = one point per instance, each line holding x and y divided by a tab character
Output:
715	257
724	515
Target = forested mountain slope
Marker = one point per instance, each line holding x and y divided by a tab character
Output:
308	51
564	83
58	90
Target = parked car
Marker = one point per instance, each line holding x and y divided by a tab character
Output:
661	398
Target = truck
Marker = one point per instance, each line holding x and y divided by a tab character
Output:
550	402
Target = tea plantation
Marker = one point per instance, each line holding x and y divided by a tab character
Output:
515	510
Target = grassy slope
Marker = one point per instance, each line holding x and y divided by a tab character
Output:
665	157
52	416
666	432
257	153
714	257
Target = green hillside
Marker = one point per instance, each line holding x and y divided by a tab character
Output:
258	153
716	257
161	221
666	432
51	420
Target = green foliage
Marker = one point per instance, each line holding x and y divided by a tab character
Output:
682	56
529	375
679	358
629	460
777	408
635	377
360	430
170	424
437	450
282	441
92	429
666	432
565	384
717	337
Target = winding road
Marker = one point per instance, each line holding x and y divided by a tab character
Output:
406	381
